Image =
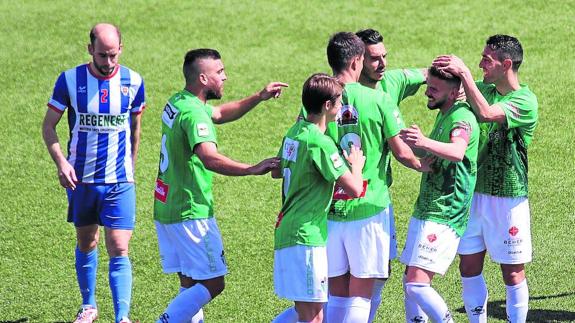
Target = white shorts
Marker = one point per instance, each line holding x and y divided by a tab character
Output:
300	273
193	248
363	247
500	225
429	245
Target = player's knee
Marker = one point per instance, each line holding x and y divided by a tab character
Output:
215	286
513	274
470	267
87	245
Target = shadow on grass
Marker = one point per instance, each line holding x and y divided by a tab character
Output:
496	309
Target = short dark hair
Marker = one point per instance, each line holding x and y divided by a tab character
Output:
342	47
370	36
318	89
455	81
506	47
192	56
93	35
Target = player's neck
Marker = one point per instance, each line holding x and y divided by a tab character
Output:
447	106
319	120
508	83
196	91
347	76
366	81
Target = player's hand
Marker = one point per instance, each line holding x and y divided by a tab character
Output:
427	163
451	64
67	175
272	90
265	166
355	158
413	137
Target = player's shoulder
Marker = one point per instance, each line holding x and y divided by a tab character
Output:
525	93
134	76
462	109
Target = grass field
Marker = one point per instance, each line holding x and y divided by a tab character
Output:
262	41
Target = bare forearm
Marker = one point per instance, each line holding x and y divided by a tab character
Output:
227	166
52	143
475	98
449	151
236	109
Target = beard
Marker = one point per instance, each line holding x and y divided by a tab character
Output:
104	70
213	95
435	105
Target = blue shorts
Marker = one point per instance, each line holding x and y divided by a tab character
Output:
110	205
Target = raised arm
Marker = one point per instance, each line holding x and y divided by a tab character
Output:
216	162
66	173
236	109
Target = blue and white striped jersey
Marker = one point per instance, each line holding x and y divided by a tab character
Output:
99	116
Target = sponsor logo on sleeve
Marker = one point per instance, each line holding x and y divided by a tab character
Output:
290	148
336	160
203	130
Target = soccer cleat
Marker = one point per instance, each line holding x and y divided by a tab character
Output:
87	314
125	320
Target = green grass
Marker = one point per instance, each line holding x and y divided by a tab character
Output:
261	41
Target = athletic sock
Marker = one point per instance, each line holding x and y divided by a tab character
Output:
413	312
184	306
287	316
199	317
120	275
430	301
378	285
474	296
517	302
86	269
357	309
336	307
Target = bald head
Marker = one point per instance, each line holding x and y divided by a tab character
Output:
105	33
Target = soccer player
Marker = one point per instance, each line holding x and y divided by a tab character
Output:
442	208
500	220
361	230
310	165
398	84
104	101
188	236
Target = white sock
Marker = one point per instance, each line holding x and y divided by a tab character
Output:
357	309
474	296
336	307
413	312
287	316
517	302
199	317
378	285
184	306
430	301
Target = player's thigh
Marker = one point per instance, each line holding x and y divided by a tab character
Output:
118	209
472	241
368	244
169	258
508	231
336	253
430	246
300	273
84	204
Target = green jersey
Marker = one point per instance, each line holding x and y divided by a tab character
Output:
367	119
310	163
401	83
503	147
445	193
184	185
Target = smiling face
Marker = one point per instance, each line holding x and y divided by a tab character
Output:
493	68
375	62
438	92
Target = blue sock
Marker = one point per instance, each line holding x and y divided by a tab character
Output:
120	275
86	268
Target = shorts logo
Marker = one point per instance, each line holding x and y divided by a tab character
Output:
431	238
161	191
336	160
203	130
289	151
513	231
347	116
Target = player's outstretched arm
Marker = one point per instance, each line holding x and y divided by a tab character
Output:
482	109
216	162
66	173
403	153
236	109
453	151
352	181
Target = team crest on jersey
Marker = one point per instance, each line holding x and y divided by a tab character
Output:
336	160
289	151
203	130
348	115
125	90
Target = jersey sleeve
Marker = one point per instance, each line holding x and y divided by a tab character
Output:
402	83
327	159
520	111
198	128
139	102
392	120
60	97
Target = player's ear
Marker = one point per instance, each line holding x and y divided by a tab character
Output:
90	49
203	78
507	64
